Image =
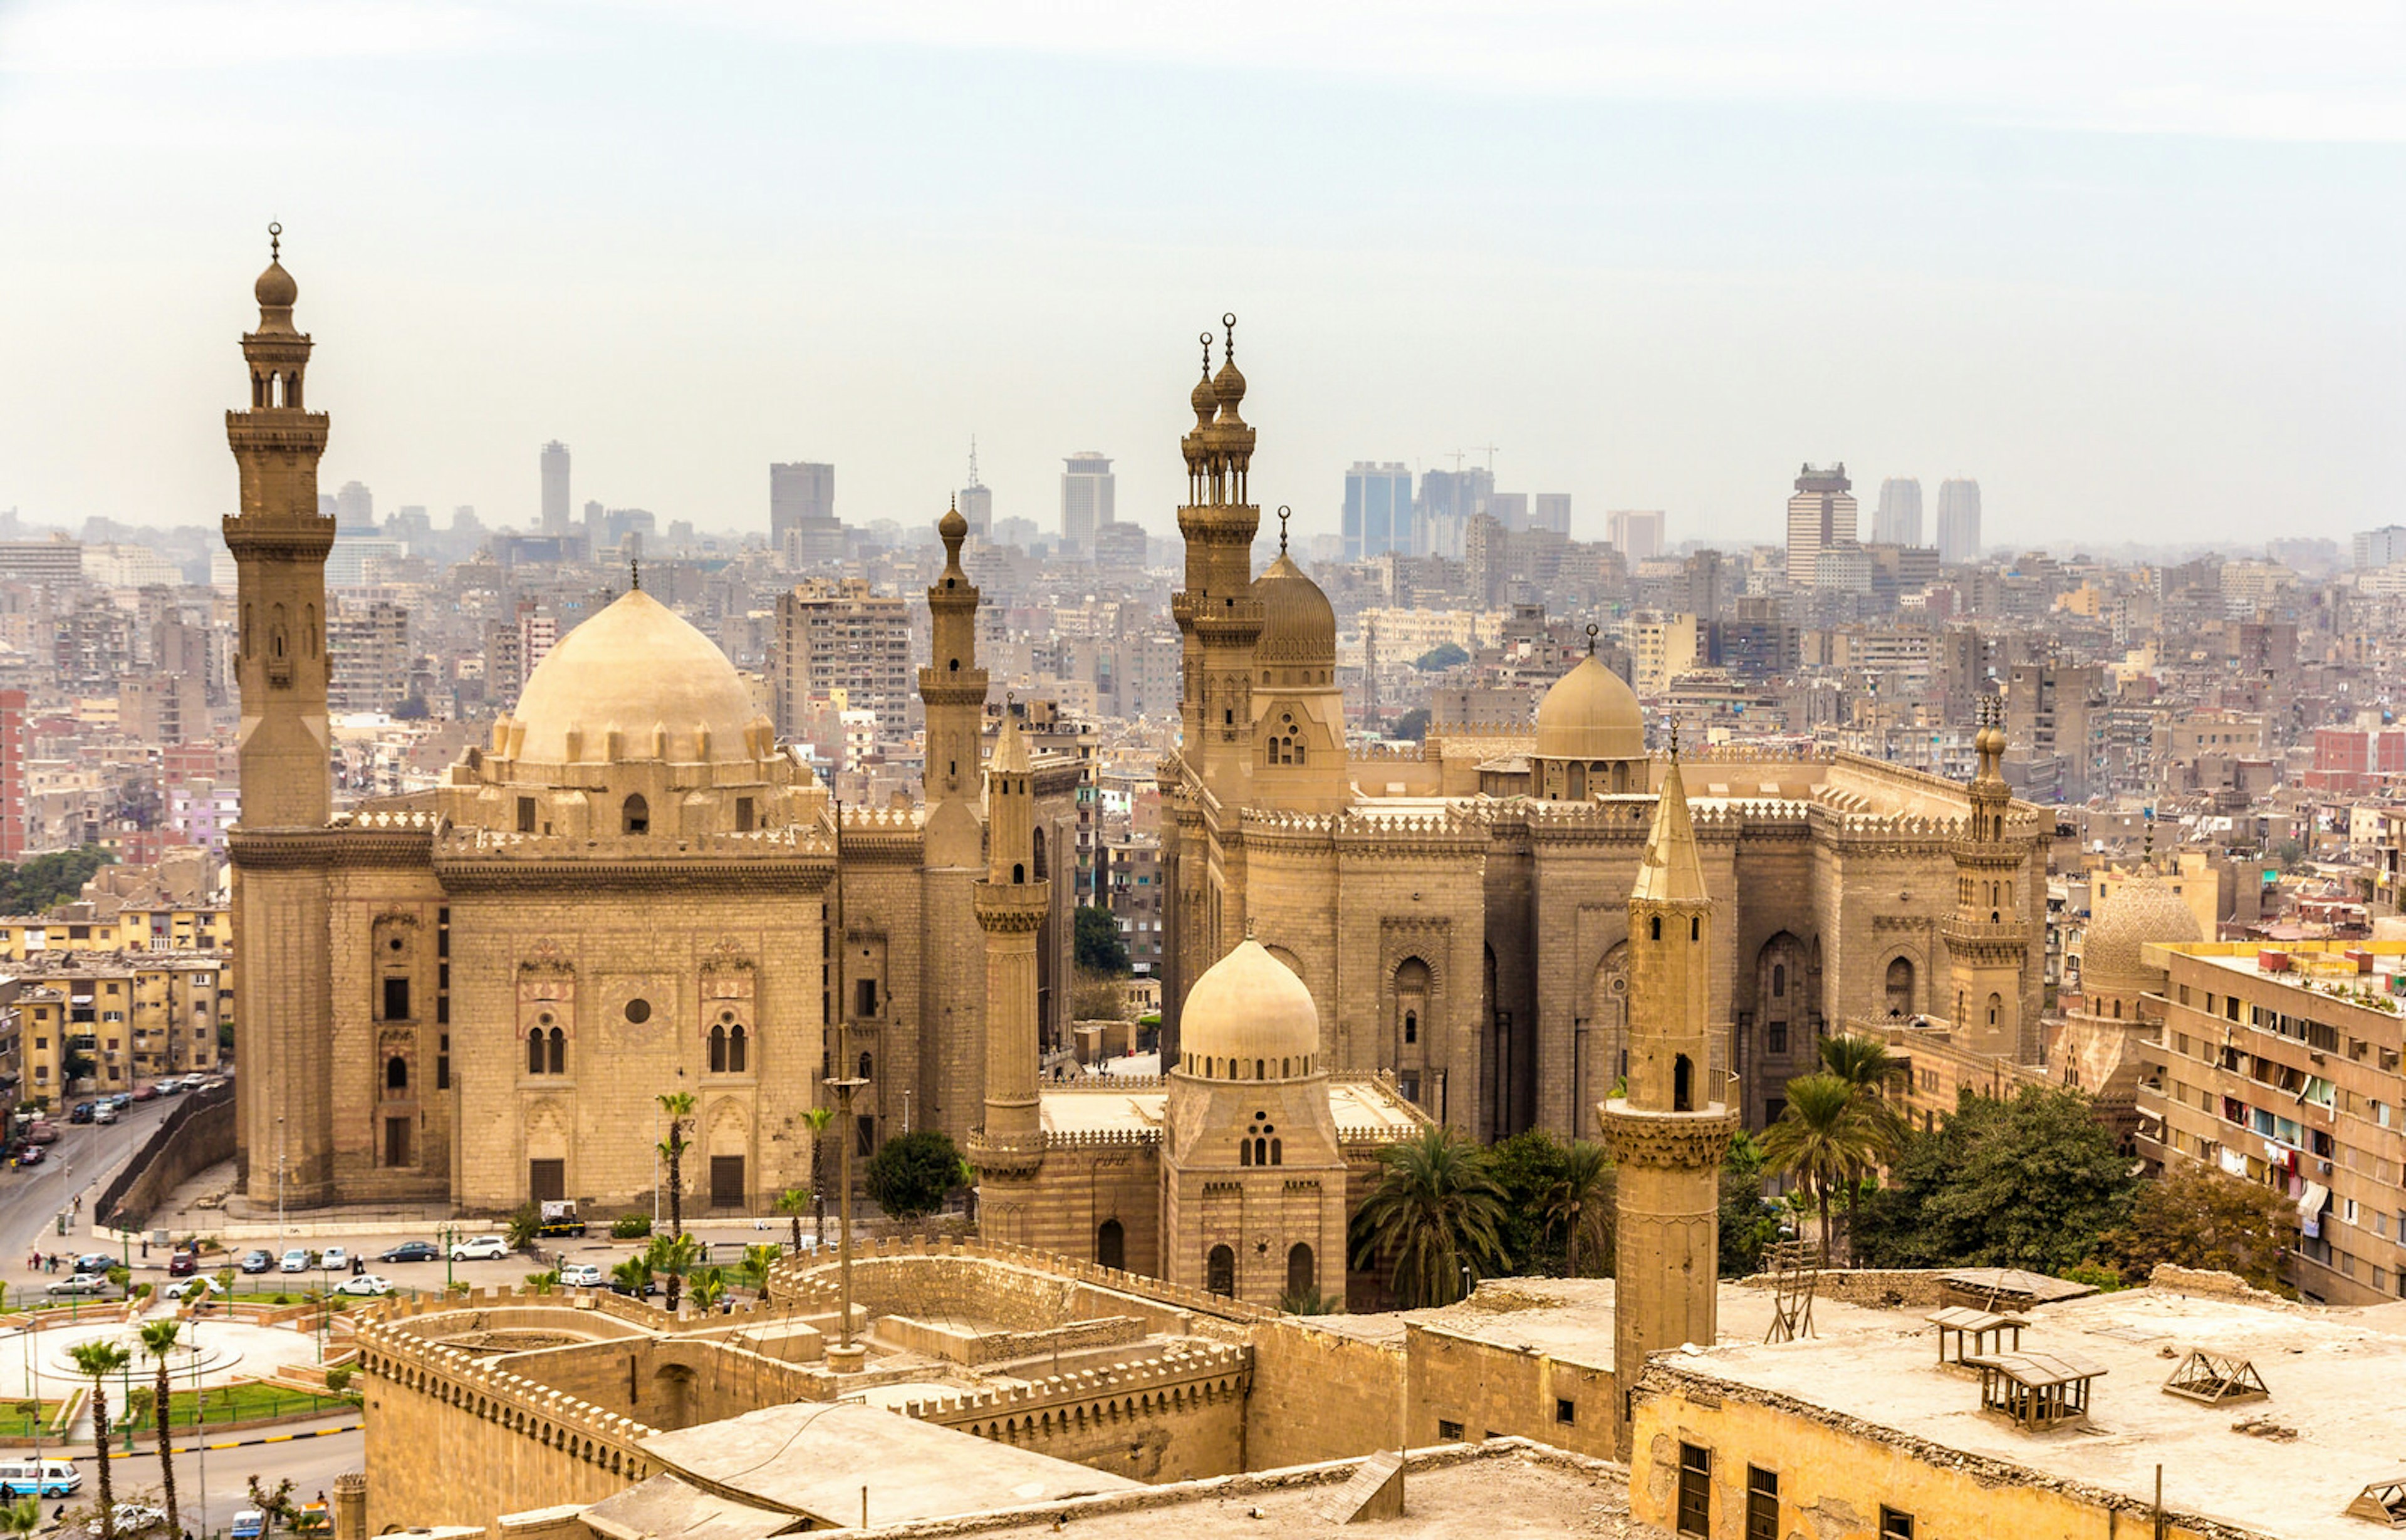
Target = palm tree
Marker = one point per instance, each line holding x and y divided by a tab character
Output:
676	1256
99	1359
1867	1068
794	1202
23	1515
817	1118
678	1105
1581	1200
159	1341
1436	1211
757	1260
635	1273
1822	1134
708	1287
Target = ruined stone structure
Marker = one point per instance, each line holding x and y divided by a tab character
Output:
476	995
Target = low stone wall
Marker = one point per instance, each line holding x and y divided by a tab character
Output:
1491	1391
197	1134
1872	1288
970	1346
2191	1281
1174	1417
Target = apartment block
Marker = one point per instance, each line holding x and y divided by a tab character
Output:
840	641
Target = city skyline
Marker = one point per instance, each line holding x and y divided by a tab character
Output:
2115	307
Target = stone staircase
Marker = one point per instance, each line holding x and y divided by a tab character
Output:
1376	1492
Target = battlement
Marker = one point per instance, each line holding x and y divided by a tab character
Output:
1179	1365
896	819
796	1286
456	842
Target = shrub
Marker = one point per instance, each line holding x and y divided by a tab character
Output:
631	1226
911	1177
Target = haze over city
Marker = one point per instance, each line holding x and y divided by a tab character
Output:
2131	267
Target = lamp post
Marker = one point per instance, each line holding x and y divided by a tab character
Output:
450	1233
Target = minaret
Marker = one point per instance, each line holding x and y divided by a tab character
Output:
1218	617
1011	903
1669	1133
952	687
1987	943
283	1125
279	543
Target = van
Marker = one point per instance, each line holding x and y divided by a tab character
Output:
22	1477
249	1524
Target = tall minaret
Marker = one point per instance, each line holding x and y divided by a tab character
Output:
949	1067
1011	903
952	687
283	1125
1669	1133
1218	617
1987	943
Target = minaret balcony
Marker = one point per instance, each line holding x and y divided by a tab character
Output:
1005	1156
1667	1141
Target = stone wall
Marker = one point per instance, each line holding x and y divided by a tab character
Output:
967	1344
1487	1389
1872	1288
1319	1395
1169	1418
197	1134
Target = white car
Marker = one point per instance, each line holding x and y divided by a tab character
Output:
132	1518
366	1283
183	1288
482	1249
335	1258
580	1275
295	1261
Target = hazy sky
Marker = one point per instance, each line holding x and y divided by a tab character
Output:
2136	267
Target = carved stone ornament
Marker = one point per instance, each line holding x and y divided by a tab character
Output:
546	957
726	953
1676	1142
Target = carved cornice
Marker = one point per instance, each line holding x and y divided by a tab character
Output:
306	849
803	875
1669	1141
1012	908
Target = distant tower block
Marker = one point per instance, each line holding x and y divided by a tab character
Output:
1669	1133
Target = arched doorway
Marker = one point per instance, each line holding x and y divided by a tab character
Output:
1900	987
1220	1272
1302	1275
1111	1245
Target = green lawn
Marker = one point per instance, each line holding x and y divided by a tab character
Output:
18	1418
245	1402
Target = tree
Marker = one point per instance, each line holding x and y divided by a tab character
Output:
678	1105
544	1282
159	1341
525	1224
2198	1217
1866	1067
1436	1211
1097	996
1822	1134
1413	724
1748	1221
1099	948
98	1361
274	1502
1526	1168
1445	655
673	1256
1580	1202
634	1275
794	1202
817	1118
708	1287
24	1515
911	1177
2030	1180
33	886
757	1260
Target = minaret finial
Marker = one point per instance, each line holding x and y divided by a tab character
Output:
635	573
1590	638
1285	513
1674	738
1249	927
275	241
1207	355
1228	320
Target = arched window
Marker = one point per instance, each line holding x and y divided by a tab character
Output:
954	667
1899	986
1260	1151
636	815
1245	1152
1778	980
738	1053
1018	872
534	1051
1695	928
1655	930
717	1049
396	1073
556	1053
1257	1070
1110	1244
1683	1089
1277	1154
1302	1277
1220	1272
1411	1026
1996	1003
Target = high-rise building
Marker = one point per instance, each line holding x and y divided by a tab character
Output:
841	644
1551	511
12	774
1510	510
1959	521
1637	533
1448	500
976	501
2381	547
801	497
1821	518
1898	519
555	489
1380	515
369	648
1086	500
355	507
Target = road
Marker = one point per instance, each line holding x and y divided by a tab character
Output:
81	1162
212	1485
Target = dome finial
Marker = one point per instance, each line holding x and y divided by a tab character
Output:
1285	513
1228	320
1249	927
275	241
635	573
1590	638
1207	355
1674	738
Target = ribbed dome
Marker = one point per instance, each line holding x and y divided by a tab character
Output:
1591	713
1204	401
1299	624
1250	1007
276	290
636	667
2144	911
1229	387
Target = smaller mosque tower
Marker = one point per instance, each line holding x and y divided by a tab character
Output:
953	688
1986	938
1669	1133
1009	1148
1217	613
1299	707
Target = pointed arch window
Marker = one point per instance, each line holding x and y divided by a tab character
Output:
1683	1085
635	816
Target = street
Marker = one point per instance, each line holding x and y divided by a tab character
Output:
82	1160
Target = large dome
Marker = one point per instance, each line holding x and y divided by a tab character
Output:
635	668
1249	1009
1591	713
2144	911
1299	624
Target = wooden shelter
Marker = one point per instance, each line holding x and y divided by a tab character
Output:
1975	1334
2214	1380
2038	1391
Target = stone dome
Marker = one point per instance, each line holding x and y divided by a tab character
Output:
2144	912
1591	713
1229	387
635	668
1249	1009
1204	401
276	290
1299	624
951	527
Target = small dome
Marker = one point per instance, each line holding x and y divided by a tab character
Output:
1204	401
2145	910
1228	388
635	666
952	527
1299	624
1250	1006
1591	713
276	290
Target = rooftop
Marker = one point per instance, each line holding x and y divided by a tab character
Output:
2288	1466
1362	1107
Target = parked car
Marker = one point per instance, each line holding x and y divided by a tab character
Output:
366	1283
482	1249
104	1112
95	1262
633	1291
147	1093
413	1251
183	1264
82	1283
42	1132
184	1288
335	1258
311	1518
580	1275
132	1517
80	1113
30	1155
256	1260
294	1261
215	1082
23	1477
